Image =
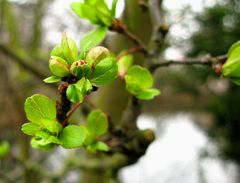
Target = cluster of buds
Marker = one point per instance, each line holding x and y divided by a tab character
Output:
80	68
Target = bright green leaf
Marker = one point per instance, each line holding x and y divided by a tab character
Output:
140	76
148	94
231	68
38	107
93	39
113	9
76	92
97	123
98	146
124	63
69	49
105	72
52	126
58	52
85	11
30	128
4	149
72	136
52	79
103	13
36	144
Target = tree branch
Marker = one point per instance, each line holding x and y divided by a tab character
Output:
120	27
206	60
23	61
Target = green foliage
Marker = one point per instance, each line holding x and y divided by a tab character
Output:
97	123
96	54
139	82
92	39
4	149
72	136
76	92
231	68
58	66
95	11
124	63
105	72
52	79
43	126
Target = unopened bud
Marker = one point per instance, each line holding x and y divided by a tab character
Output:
80	69
95	55
58	66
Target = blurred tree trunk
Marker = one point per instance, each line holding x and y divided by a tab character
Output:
113	98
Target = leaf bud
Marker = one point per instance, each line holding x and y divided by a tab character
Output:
58	66
80	69
96	54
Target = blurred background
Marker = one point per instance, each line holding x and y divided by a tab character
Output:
196	117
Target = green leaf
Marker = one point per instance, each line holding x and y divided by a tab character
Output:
37	144
231	68
30	128
52	126
4	149
76	92
139	82
140	77
58	52
52	79
148	94
38	107
93	38
113	9
44	138
103	13
69	49
124	63
105	72
85	11
97	123
72	136
98	146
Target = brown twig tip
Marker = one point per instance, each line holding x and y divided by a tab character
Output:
206	60
120	27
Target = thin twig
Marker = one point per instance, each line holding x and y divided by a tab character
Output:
120	27
69	114
129	51
207	60
22	61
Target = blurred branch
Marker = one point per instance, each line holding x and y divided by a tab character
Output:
10	21
120	27
36	36
206	60
23	61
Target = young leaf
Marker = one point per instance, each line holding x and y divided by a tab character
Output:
93	38
69	49
58	52
139	82
52	126
98	146
85	11
97	123
52	79
103	13
38	107
113	9
76	92
72	136
231	68
30	128
124	63
105	72
148	94
36	144
4	149
141	76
